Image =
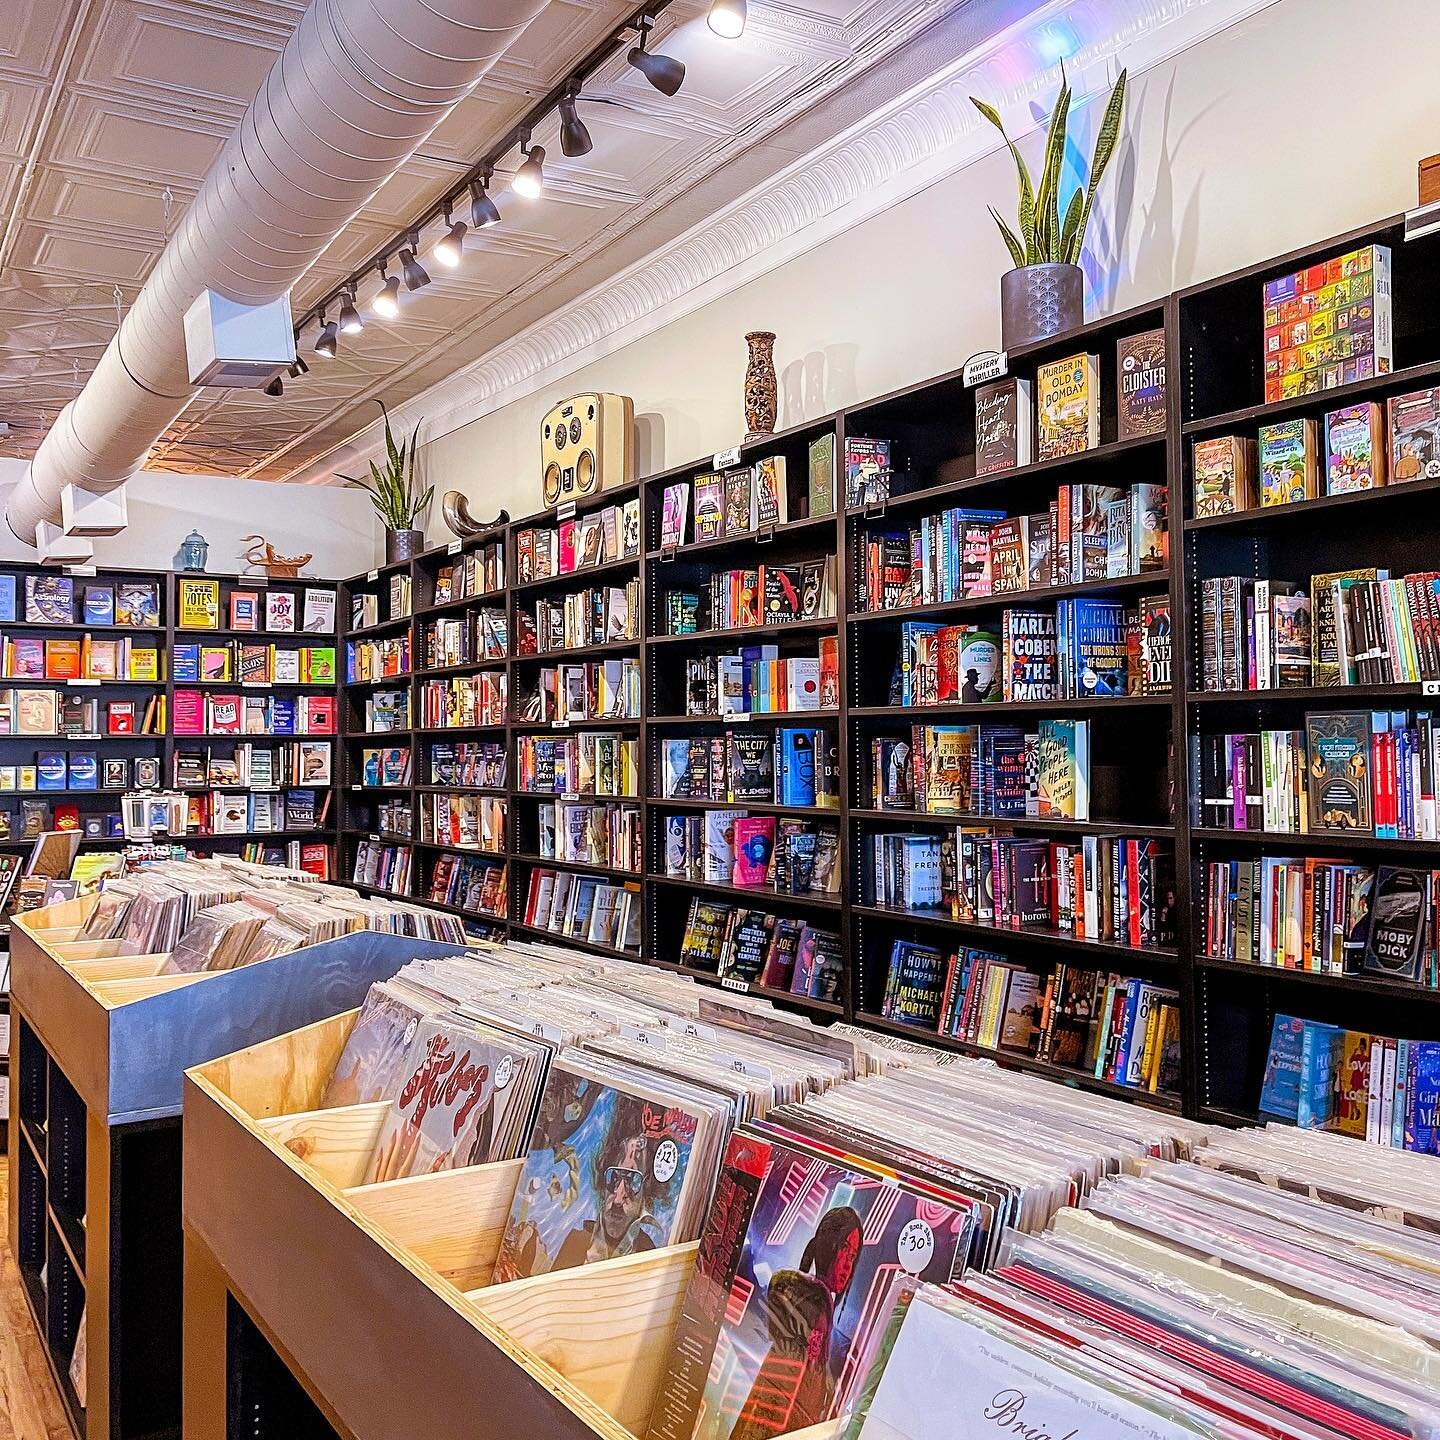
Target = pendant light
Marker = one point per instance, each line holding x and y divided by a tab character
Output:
664	72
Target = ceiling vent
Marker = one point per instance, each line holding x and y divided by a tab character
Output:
237	347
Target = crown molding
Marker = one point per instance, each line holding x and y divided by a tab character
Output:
920	137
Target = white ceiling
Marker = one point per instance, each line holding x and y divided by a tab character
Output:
107	104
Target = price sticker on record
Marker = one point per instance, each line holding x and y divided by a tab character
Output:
915	1246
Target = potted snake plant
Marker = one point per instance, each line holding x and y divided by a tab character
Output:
1044	294
394	494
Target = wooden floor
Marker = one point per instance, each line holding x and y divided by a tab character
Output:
30	1408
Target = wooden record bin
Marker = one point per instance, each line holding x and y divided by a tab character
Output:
99	1043
367	1309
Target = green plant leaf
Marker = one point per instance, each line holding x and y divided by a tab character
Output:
1069	231
1017	250
1105	142
1047	198
1027	189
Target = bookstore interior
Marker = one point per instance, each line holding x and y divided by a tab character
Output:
587	612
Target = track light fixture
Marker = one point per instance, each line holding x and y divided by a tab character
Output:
416	275
449	247
574	137
727	18
482	207
350	321
276	388
529	179
664	72
387	303
329	341
299	368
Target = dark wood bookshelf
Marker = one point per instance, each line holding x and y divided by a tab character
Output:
1139	742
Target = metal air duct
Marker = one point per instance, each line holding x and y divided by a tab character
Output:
357	88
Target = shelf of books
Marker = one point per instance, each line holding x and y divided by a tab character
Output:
1311	424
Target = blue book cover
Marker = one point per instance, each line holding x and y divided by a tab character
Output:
8	612
1402	1092
282	716
1422	1098
1321	1050
797	767
1280	1089
1127	1029
84	772
185	664
50	770
99	605
1098	648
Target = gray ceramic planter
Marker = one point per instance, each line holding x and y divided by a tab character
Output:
1038	301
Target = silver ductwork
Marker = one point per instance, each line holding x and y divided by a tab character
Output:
357	88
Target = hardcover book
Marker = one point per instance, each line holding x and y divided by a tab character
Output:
1155	645
1030	655
1004	425
709	507
137	602
1067	406
739	500
1337	770
822	475
1415	436
754	845
771	506
1399	913
1063	769
867	471
1354	449
1326	591
1289	467
199	604
1140	390
49	600
675	503
99	605
1224	475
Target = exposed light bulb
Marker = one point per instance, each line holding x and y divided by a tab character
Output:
329	341
350	321
482	208
727	18
449	248
529	179
387	303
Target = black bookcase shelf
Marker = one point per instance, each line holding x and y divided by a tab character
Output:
1139	743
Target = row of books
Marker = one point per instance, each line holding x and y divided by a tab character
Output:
365	604
754	947
1371	1087
228	812
459	701
235	661
383	867
584	907
199	608
582	618
589	833
34	818
788	767
87	657
744	599
202	712
59	600
480	571
467	762
77	770
58	712
590	762
985	770
1110	888
1359	447
367	660
473	822
312	856
260	767
382	766
472	883
739	501
587	690
583	541
1369	772
395	817
1085	648
1018	423
1119	1029
758	680
1089	532
464	639
1324	916
752	852
387	712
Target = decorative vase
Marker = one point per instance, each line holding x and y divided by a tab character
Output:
403	545
760	385
1038	301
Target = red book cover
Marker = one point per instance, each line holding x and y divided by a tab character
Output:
1132	882
315	859
225	713
320	715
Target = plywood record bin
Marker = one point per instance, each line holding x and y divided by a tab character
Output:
324	1306
99	1044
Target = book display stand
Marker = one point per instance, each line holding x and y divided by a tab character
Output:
99	1042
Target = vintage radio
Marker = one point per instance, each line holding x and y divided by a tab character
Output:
586	444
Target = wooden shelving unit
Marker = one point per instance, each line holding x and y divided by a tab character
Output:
1139	744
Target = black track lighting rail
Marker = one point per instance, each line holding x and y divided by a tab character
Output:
480	172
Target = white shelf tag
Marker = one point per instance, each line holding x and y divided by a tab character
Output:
724	459
984	366
372	575
453	548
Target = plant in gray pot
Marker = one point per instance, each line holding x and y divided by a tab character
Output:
1044	294
392	492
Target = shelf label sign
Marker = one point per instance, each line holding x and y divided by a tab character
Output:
1430	687
565	510
984	366
724	459
453	548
